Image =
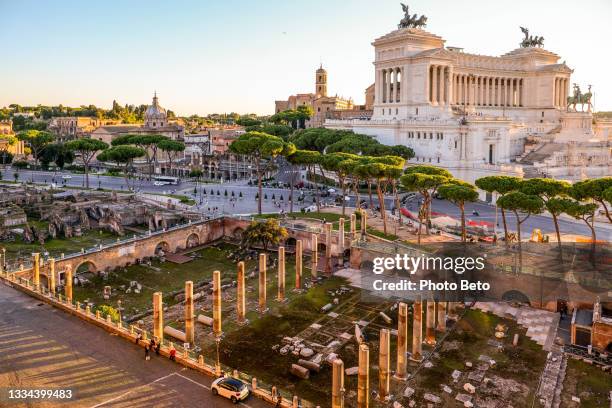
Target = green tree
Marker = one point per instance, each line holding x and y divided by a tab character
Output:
548	190
300	158
87	150
459	194
37	141
593	189
382	169
305	112
521	203
172	148
260	147
56	153
586	213
123	156
148	143
106	310
333	162
501	185
426	180
267	232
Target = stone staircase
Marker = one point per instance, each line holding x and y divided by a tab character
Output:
551	381
541	325
541	153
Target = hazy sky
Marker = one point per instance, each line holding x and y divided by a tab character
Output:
220	56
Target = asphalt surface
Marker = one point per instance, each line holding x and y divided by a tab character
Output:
210	199
42	348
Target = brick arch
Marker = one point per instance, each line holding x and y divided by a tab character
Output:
192	240
93	268
515	296
162	245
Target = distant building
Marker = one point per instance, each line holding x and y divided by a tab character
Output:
76	127
17	148
155	122
324	106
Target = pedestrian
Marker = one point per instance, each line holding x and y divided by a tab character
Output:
157	347
173	354
138	338
152	344
147	356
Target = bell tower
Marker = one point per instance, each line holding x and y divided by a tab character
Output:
321	82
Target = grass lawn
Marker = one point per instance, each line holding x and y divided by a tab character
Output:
587	382
166	277
56	246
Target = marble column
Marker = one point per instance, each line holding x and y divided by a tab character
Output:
388	82
281	274
341	238
521	91
353	225
434	84
498	92
511	92
363	377
262	283
241	294
402	336
68	283
430	327
36	270
158	316
51	276
383	364
298	263
189	326
337	384
417	330
217	328
441	327
328	247
314	267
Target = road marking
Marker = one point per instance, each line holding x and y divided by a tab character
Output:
204	386
131	391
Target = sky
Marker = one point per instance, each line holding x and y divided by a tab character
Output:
221	56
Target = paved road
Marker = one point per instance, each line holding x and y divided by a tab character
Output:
42	347
206	201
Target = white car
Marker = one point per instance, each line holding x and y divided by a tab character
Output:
159	183
230	388
66	176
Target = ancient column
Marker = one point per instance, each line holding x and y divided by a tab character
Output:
281	274
158	316
52	276
217	303
298	264
341	238
328	247
430	328
417	330
314	256
337	384
441	317
363	379
240	295
353	224
68	283
36	270
402	335
262	283
383	365
364	222
511	92
189	328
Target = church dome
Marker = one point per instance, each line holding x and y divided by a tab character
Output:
155	111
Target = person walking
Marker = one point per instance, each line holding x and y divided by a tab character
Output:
147	356
173	354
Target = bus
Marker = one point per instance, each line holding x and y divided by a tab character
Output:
164	180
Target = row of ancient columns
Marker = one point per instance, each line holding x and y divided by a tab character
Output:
384	357
390	80
468	89
439	84
560	92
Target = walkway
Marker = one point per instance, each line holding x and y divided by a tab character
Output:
42	347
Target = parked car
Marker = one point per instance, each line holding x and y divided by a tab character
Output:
230	388
66	176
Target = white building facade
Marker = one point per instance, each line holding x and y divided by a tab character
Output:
461	110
